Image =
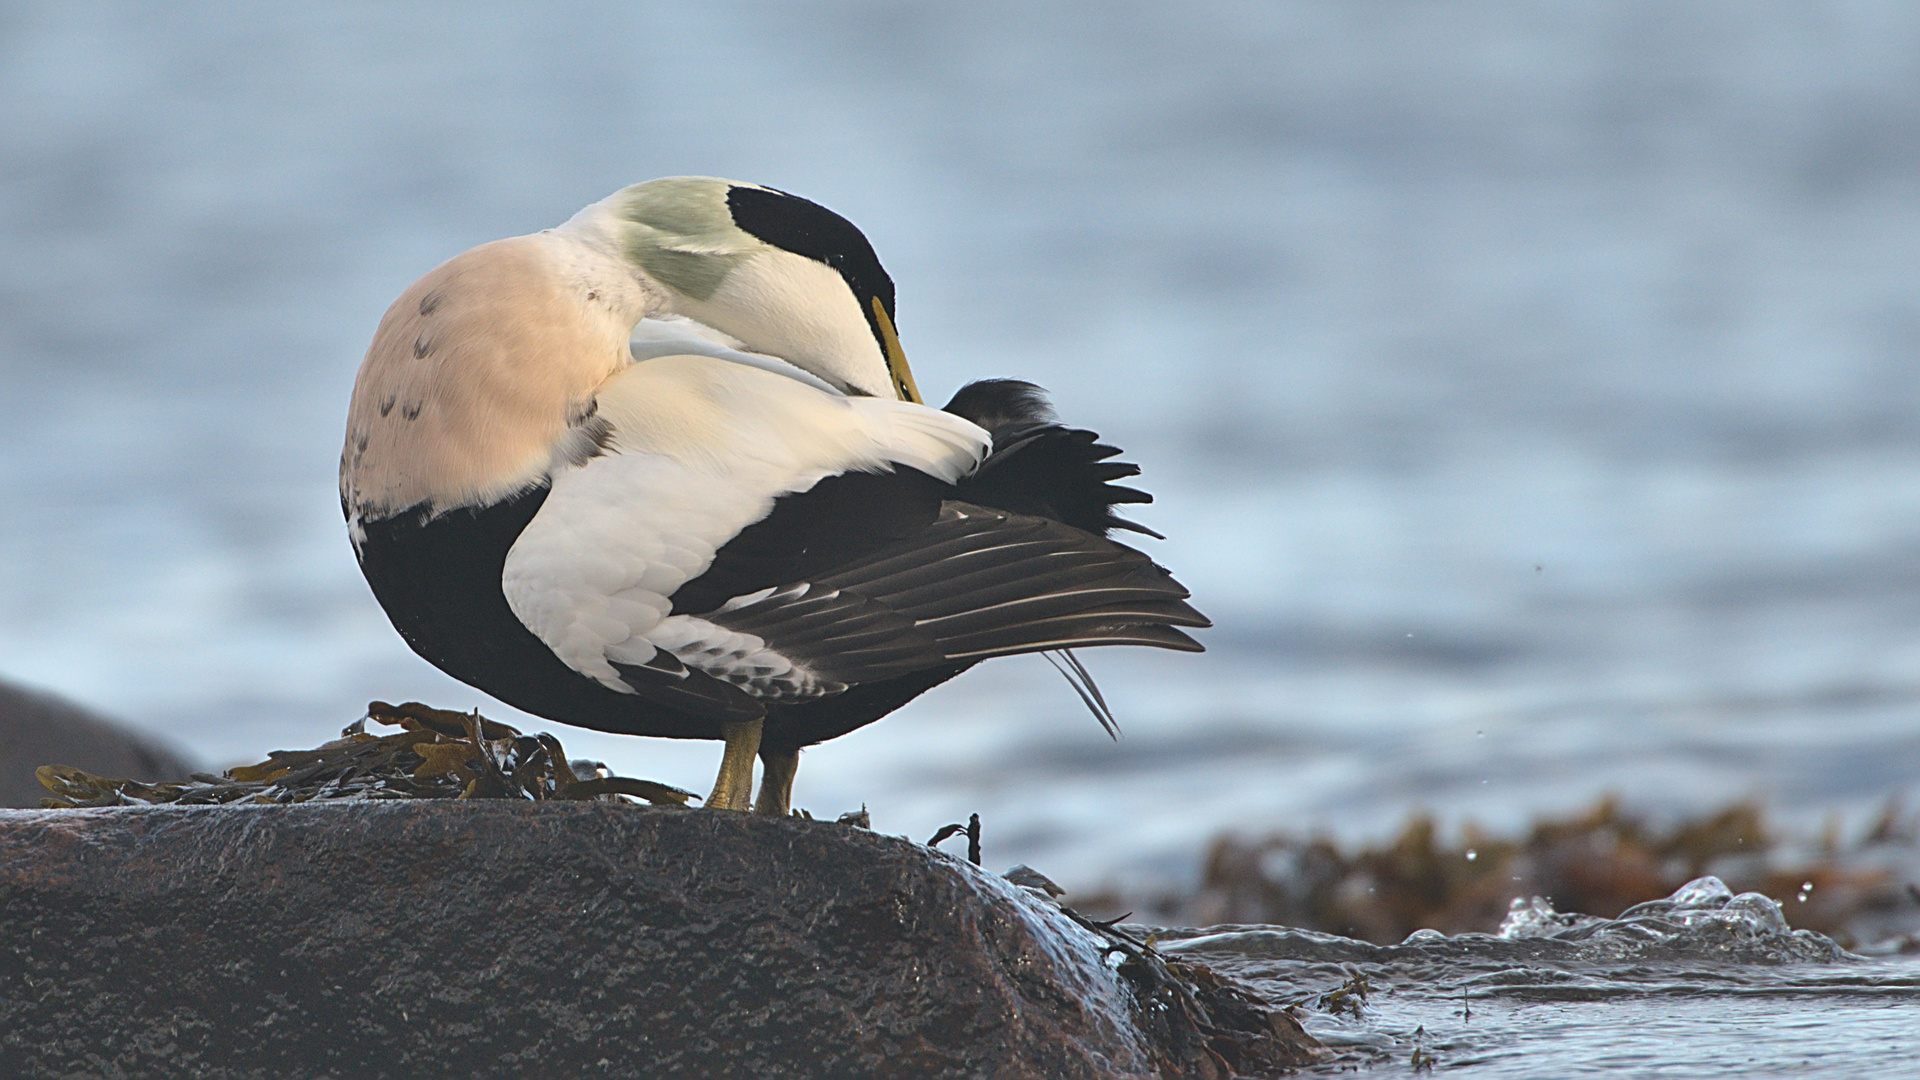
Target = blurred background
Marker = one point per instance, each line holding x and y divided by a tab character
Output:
1528	389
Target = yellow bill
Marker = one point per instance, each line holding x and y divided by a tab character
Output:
896	357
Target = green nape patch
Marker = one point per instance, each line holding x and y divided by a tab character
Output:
436	755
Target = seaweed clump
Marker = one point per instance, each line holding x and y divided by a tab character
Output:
1201	1024
437	754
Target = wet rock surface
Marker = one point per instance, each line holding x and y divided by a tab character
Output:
443	938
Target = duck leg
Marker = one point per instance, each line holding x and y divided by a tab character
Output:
733	789
776	781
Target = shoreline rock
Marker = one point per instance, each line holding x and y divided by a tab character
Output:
495	938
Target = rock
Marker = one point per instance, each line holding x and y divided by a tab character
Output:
408	939
1028	877
40	729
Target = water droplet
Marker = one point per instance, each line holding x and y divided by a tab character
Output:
1472	854
1805	888
1479	734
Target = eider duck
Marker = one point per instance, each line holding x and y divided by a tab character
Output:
663	470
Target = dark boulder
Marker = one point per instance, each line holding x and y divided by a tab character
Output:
38	729
465	938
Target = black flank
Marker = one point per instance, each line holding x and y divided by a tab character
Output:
439	581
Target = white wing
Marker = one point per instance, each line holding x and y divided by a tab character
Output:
696	449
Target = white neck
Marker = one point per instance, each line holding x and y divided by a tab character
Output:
605	271
802	311
772	301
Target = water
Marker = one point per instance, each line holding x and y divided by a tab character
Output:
1701	984
1529	389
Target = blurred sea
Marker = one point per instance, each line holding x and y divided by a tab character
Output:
1529	389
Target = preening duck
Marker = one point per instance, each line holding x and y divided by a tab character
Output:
663	470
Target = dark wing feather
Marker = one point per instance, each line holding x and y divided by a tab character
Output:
977	583
664	680
835	633
1078	677
837	521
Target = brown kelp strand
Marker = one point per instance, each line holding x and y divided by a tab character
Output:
1203	1024
437	754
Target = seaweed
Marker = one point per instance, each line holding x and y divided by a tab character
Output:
437	754
972	832
1599	861
1348	999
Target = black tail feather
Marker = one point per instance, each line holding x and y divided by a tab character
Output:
1002	403
1040	467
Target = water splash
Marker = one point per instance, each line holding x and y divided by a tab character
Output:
1696	981
1702	919
1535	917
1702	922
